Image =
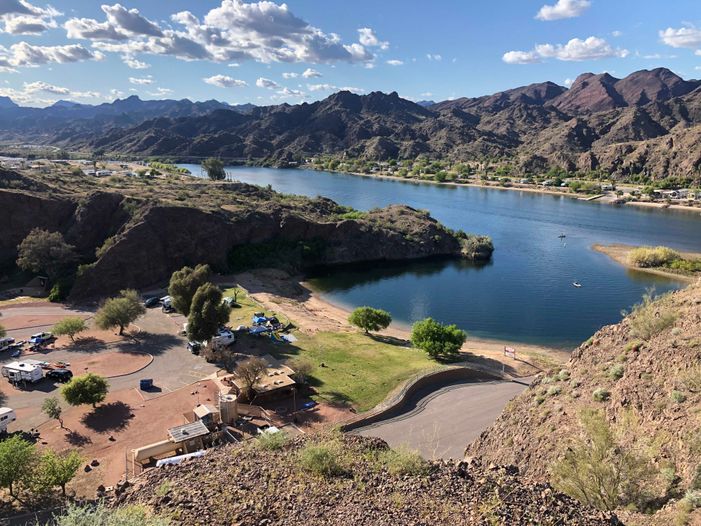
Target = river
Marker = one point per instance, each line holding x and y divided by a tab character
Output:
525	294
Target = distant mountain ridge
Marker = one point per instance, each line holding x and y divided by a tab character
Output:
646	123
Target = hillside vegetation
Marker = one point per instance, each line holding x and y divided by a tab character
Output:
619	426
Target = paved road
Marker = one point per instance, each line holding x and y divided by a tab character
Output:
441	424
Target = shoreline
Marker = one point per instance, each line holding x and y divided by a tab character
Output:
620	252
299	302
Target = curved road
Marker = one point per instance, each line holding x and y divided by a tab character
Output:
440	424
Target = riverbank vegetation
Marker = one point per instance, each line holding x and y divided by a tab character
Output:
664	257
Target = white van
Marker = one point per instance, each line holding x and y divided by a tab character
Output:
6	343
7	416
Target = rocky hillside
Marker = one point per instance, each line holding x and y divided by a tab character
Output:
249	485
647	123
136	232
644	377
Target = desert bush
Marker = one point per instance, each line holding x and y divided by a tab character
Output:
563	375
554	390
272	441
402	461
678	396
601	394
616	371
650	317
100	515
321	459
598	470
692	378
647	257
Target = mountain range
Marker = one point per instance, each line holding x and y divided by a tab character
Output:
646	123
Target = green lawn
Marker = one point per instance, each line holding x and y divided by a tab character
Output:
357	369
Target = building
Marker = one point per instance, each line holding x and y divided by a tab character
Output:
277	381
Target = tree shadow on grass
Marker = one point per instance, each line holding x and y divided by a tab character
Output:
76	439
390	340
109	417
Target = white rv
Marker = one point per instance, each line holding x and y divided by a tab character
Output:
22	372
7	416
223	339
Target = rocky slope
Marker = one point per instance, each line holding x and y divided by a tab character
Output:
647	371
647	123
142	240
246	485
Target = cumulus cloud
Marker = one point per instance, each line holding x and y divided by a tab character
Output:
142	81
290	75
563	9
224	81
331	87
263	31
395	62
310	73
19	17
134	63
23	54
267	83
367	37
569	82
43	93
577	50
434	57
683	37
160	92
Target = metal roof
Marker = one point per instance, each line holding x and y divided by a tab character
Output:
188	431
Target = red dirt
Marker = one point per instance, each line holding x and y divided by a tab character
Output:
93	428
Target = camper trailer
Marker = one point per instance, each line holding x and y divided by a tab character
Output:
224	338
7	416
16	372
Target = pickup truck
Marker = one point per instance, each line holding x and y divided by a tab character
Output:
41	337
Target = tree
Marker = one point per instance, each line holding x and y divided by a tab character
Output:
436	339
207	313
370	319
44	251
183	285
17	462
249	371
120	311
70	327
52	409
303	369
598	470
86	389
59	469
214	169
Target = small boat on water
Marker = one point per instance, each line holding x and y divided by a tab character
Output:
562	236
577	284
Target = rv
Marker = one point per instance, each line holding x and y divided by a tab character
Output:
224	338
22	372
7	416
6	343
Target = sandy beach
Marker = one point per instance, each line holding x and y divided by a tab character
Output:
276	290
621	254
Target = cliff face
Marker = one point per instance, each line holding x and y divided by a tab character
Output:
647	371
252	486
142	241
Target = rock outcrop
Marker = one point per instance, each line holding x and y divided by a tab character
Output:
251	486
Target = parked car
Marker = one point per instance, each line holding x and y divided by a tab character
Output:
41	337
6	343
16	350
60	375
194	347
152	302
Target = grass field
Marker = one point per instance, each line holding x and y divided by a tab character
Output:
356	368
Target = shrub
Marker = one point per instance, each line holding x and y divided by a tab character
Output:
321	459
563	375
678	396
650	317
554	390
436	339
272	441
601	394
102	516
616	371
370	319
647	257
403	461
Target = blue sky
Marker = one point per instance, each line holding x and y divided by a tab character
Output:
270	52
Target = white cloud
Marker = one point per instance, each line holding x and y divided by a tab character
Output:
592	48
23	54
288	92
616	33
434	57
331	87
367	37
267	83
134	63
290	75
395	62
160	92
142	81
20	17
89	29
684	37
310	73
130	22
42	93
569	82
563	9
224	81
426	94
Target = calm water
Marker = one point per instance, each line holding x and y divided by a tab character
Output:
525	294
